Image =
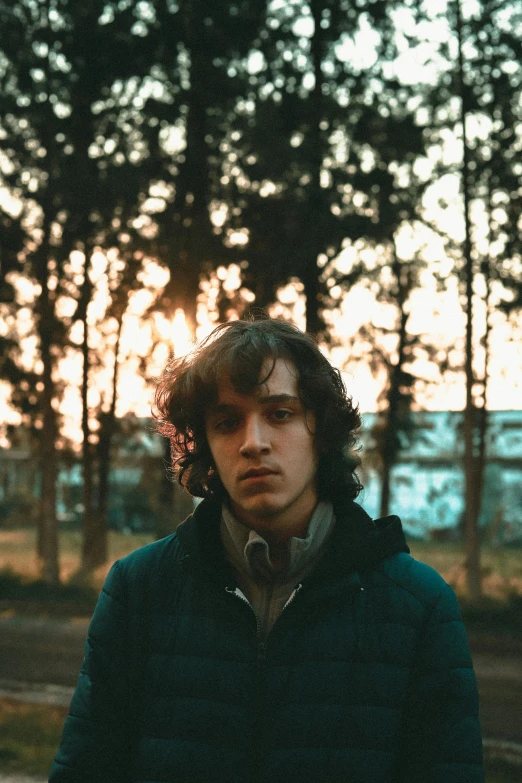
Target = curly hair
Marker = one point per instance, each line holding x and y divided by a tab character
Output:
238	350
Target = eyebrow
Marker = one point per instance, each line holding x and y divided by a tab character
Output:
264	400
278	398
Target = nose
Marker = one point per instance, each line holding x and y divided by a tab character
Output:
255	438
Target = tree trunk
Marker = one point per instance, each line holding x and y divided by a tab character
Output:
310	277
471	533
89	521
91	556
47	540
482	424
104	456
314	322
391	443
192	242
385	489
389	435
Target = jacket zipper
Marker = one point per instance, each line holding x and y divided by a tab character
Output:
242	597
260	729
290	600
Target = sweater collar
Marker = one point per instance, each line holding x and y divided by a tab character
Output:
249	552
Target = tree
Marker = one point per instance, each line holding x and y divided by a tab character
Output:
472	484
385	201
487	81
57	59
292	141
28	80
477	101
196	47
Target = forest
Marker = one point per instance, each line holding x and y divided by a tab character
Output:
173	164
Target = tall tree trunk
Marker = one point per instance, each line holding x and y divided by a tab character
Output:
192	242
482	424
384	509
104	458
471	533
89	524
488	271
93	547
310	277
391	431
389	436
390	444
47	540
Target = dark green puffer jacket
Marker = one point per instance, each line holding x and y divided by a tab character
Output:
366	676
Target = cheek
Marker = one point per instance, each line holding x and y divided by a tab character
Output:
220	456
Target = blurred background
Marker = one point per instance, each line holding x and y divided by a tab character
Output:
355	167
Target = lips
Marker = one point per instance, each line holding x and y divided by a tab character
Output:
257	473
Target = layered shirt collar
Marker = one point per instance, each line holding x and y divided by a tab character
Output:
249	552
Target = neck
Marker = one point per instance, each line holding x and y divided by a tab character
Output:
278	538
279	527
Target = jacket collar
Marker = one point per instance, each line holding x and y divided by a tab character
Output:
357	542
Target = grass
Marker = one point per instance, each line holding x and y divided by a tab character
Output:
30	735
18	547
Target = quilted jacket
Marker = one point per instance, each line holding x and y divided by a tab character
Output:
366	676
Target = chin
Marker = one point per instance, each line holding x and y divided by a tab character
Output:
262	508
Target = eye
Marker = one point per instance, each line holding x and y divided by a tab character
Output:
282	414
226	424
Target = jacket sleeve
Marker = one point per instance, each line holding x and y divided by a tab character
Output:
442	740
95	742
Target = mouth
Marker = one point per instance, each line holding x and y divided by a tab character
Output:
257	473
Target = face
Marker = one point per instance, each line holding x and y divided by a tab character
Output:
263	449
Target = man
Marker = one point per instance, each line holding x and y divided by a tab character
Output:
280	635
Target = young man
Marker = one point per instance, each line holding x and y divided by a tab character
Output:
280	635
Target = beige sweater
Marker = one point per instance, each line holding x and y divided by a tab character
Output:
267	590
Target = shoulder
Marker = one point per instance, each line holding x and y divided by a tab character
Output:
420	581
155	559
153	553
410	574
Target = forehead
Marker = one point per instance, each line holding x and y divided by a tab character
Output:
282	380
